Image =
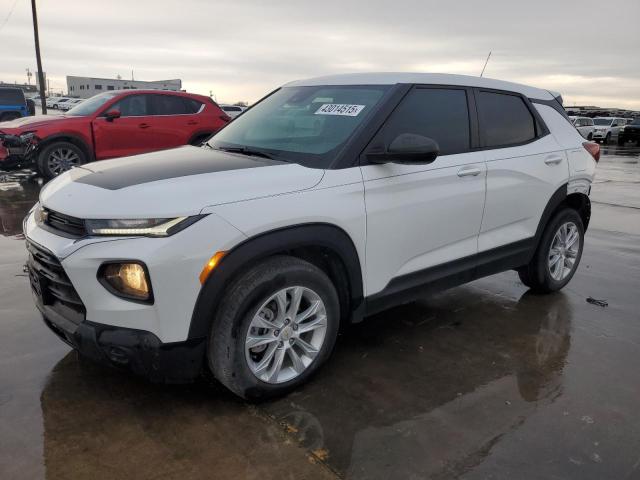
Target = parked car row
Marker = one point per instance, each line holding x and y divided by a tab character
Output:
603	129
108	125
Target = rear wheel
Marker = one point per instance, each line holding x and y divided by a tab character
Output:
276	325
59	157
558	254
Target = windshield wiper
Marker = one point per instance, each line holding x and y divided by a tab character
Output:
246	151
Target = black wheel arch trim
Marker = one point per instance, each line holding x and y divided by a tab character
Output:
270	243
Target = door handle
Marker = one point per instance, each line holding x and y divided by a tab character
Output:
553	160
192	122
469	172
144	125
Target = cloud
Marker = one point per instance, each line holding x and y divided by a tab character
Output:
241	49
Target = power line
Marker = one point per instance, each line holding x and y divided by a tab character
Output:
9	15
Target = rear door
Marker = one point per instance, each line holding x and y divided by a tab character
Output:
130	134
176	121
525	166
423	215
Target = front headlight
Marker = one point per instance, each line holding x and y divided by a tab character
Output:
129	280
149	227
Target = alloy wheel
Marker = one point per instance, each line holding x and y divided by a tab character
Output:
286	334
564	250
62	159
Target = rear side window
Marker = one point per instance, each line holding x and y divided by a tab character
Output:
504	119
133	106
173	105
193	106
11	96
438	113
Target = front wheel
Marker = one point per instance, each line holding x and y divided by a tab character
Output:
59	157
590	136
276	325
607	139
558	254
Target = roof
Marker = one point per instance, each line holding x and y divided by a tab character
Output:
392	78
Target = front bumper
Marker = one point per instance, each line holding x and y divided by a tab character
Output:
16	155
134	350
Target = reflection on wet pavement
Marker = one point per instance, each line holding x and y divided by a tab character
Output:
482	381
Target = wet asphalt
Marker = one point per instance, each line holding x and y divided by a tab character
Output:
485	381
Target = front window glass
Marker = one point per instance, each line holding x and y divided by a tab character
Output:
91	106
602	121
438	113
301	124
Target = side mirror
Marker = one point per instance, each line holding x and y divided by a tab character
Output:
407	148
111	115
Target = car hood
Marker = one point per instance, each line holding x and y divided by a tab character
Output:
32	122
171	183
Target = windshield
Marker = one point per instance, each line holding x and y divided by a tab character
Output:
602	121
301	124
91	106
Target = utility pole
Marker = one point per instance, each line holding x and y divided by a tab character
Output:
36	37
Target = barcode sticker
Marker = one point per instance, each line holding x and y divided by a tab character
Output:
343	109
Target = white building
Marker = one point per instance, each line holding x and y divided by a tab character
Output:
85	87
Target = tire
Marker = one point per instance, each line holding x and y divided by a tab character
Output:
607	139
59	157
539	275
238	314
590	136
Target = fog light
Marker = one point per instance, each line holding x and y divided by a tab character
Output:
128	280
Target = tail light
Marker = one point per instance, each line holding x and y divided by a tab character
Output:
225	118
593	149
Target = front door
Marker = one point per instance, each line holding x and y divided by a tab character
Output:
424	215
134	132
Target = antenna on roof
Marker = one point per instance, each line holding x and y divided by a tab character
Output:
485	63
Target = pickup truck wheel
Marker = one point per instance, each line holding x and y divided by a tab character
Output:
558	254
276	325
59	157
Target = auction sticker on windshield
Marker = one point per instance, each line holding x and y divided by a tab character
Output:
340	109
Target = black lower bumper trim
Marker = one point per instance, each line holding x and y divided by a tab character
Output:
138	351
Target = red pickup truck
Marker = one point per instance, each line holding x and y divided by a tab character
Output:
111	124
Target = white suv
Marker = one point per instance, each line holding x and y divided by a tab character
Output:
331	199
607	128
584	125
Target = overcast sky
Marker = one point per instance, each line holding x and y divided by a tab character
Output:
589	50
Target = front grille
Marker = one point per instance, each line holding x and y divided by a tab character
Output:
65	223
51	285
